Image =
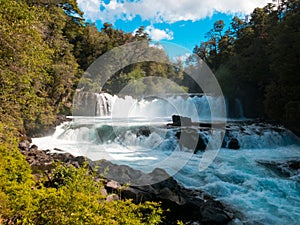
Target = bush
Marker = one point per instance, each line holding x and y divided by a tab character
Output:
72	197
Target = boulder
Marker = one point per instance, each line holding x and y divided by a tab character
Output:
24	145
143	131
190	206
285	169
192	139
181	121
234	144
113	185
112	197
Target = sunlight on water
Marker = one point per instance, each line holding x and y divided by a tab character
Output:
236	177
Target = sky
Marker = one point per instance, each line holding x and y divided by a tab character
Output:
181	22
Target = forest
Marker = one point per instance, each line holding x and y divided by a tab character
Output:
46	45
256	60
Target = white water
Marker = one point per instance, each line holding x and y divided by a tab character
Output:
197	107
234	176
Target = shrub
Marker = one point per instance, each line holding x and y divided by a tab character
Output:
72	197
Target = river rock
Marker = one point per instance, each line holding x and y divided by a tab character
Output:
287	169
234	144
187	205
181	121
143	131
192	139
190	206
43	159
24	145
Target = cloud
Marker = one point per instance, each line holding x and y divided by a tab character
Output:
169	11
182	58
157	34
91	8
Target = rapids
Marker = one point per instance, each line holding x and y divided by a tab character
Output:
135	132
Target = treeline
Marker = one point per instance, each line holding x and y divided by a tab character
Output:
257	60
45	46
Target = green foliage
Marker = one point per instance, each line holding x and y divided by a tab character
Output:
16	179
37	67
282	94
257	61
72	196
44	48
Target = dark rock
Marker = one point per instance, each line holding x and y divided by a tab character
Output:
181	121
294	165
184	204
33	147
190	206
143	131
212	213
191	139
234	144
42	160
285	169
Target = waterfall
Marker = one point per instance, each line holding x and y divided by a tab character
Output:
238	107
197	107
92	104
234	109
127	131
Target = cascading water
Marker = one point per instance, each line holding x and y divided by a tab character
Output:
134	132
195	106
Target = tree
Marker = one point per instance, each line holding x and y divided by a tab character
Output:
282	94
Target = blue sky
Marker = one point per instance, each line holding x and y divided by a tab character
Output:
182	22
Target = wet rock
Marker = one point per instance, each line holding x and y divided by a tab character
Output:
192	139
234	144
143	131
212	213
285	169
181	121
190	206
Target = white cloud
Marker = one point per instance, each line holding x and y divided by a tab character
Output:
164	10
157	34
91	8
182	58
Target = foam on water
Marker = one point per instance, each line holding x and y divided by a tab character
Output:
138	136
237	179
234	177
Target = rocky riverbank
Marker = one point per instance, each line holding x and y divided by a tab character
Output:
189	206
